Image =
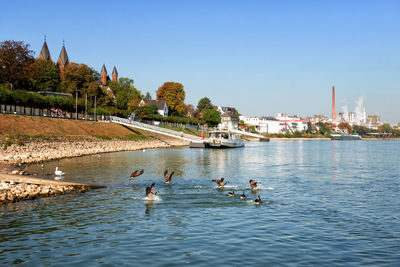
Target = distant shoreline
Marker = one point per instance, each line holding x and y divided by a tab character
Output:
323	139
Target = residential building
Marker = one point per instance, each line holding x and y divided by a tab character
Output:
228	121
161	106
280	124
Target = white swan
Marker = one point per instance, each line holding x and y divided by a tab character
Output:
58	172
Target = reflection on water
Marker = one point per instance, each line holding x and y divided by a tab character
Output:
306	218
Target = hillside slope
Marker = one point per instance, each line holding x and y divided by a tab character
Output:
13	125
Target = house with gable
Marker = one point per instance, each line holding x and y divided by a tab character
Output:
229	121
161	106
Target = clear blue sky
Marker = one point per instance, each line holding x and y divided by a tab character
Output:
262	57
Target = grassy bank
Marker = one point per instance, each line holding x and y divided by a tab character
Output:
41	127
29	139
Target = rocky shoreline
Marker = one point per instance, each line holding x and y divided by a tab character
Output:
15	185
14	188
45	150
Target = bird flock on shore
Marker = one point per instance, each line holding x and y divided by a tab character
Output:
150	194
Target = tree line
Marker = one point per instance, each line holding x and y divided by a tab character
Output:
21	75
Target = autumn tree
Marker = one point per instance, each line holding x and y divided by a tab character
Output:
190	112
45	76
133	105
15	61
345	127
77	78
212	117
174	95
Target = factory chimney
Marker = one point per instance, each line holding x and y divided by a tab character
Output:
333	104
364	115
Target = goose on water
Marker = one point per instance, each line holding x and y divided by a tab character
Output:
258	200
243	196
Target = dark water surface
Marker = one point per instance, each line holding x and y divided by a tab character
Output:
325	203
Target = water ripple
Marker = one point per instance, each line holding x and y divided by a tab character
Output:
324	203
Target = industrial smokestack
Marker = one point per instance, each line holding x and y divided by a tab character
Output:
333	104
364	115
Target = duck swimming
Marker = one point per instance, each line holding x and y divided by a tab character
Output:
243	196
167	176
253	184
231	194
149	191
220	183
136	174
258	200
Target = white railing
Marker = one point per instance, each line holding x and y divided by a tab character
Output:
247	133
155	129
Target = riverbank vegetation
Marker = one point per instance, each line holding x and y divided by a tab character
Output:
22	76
17	129
326	129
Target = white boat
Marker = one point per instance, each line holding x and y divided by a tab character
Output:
224	139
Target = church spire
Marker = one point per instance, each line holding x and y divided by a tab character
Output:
44	53
63	60
103	80
115	74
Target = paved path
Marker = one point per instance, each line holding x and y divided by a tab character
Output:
155	129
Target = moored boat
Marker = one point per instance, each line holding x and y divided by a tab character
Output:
224	139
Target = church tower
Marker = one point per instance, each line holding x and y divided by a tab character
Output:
103	80
63	60
115	75
45	53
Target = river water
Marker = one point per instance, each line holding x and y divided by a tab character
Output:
324	203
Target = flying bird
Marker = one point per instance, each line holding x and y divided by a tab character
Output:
167	176
253	184
136	174
149	191
220	183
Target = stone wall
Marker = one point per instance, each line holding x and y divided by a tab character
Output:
13	191
45	150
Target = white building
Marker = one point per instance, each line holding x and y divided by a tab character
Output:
280	124
228	122
161	106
